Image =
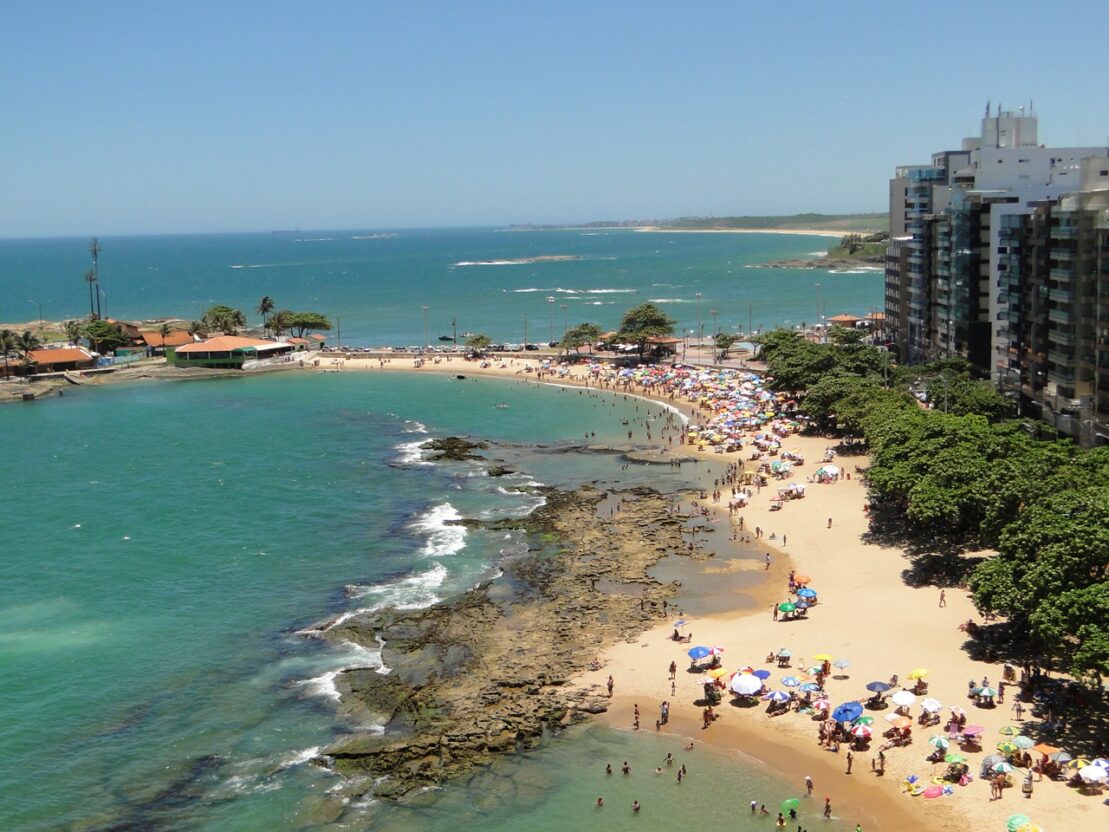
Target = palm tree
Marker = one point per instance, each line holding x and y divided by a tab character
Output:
164	331
74	330
280	322
29	341
9	342
265	306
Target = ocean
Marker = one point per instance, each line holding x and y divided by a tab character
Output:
165	545
376	283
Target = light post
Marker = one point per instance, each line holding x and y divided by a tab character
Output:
700	329
715	328
819	318
565	329
525	331
454	330
427	332
339	334
550	308
42	326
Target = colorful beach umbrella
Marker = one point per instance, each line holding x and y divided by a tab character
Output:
863	731
791	681
717	672
865	720
1003	768
820	657
1015	822
778	696
1061	757
1008	730
986	692
1007	747
877	687
791	803
1023	743
809	687
805	592
1078	762
716	651
847	712
898	721
698	652
954	758
939	742
1093	774
973	730
918	673
821	704
801	579
761	674
788	606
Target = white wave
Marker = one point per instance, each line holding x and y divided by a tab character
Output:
352	656
523	262
373	236
530	289
443	537
611	291
411	592
412	426
817	253
298	758
863	270
667	285
411	453
669	300
314	239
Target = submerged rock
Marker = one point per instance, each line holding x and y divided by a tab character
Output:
454	448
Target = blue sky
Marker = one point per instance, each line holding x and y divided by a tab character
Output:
148	117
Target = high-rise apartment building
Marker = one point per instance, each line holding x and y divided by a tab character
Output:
971	238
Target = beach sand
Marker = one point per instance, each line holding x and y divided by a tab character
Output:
807	232
867	614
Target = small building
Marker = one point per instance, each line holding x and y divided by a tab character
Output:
845	320
300	344
226	351
62	359
317	337
154	341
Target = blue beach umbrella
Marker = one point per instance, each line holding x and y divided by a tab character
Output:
809	687
847	712
778	696
842	664
802	604
878	687
762	674
681	622
805	592
698	652
791	681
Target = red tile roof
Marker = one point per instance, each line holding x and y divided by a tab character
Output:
225	343
60	356
176	338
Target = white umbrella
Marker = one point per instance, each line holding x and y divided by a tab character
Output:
746	685
903	698
1093	774
931	705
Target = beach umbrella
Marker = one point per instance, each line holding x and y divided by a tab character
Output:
777	696
1060	757
973	730
1007	747
716	673
716	651
931	705
697	652
1078	762
821	704
1031	827
809	687
954	758
1003	767
1100	761
898	721
1023	743
761	674
938	742
878	687
784	654
801	579
802	604
918	673
903	698
820	657
847	712
680	623
792	803
791	681
1093	774
788	606
986	692
842	664
805	592
861	731
865	720
746	685
1015	822
1008	730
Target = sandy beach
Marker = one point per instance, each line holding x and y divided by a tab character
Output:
866	614
807	232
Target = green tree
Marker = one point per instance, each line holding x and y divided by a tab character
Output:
222	318
643	322
851	242
724	342
302	322
265	306
164	330
579	336
74	331
105	337
9	343
479	342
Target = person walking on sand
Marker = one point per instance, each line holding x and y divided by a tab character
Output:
829	522
808	785
611	684
943	597
774	610
768	556
850	760
827	807
673	669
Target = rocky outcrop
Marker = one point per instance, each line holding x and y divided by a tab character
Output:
454	449
488	672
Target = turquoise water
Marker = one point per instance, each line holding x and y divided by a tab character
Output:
377	285
167	542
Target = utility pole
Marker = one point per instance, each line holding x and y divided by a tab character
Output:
42	325
715	328
525	330
339	333
565	329
94	250
454	330
750	326
427	332
819	317
550	308
700	328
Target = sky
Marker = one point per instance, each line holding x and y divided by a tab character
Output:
150	117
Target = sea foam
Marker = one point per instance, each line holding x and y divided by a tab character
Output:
443	537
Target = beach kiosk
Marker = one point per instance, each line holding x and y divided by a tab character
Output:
227	352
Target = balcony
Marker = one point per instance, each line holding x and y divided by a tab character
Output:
1065	232
1060	316
1062	295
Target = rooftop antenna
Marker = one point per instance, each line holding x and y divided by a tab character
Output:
987	108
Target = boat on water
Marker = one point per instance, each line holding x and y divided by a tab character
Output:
446	337
502	405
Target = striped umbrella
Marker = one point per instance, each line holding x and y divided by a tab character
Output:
1009	730
939	742
1023	743
863	731
1008	747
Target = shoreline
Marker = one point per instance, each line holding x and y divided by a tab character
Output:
803	232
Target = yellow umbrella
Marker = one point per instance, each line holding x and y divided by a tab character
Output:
822	657
918	673
718	672
1030	827
1078	762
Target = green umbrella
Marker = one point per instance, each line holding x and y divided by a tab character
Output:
788	606
1003	768
865	720
791	803
954	758
938	742
1023	743
1016	822
1007	747
1010	731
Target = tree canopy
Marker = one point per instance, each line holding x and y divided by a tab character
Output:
222	318
642	323
576	337
723	342
299	323
479	342
105	337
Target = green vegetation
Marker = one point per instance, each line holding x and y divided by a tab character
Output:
105	337
641	323
222	319
723	342
298	322
965	474
479	342
576	337
870	247
265	306
843	222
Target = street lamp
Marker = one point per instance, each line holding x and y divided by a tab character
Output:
550	308
700	329
42	326
525	330
819	317
427	332
565	329
715	328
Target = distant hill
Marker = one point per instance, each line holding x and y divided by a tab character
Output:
833	222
